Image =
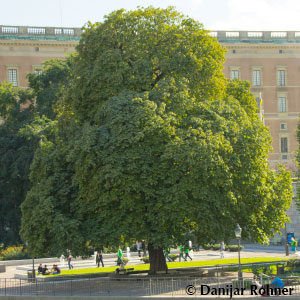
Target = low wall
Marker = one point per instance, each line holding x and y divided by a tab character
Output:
126	298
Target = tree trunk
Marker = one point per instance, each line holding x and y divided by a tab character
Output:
157	260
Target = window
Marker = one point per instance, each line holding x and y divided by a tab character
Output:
282	104
256	78
235	74
57	31
281	77
284	156
68	31
13	76
37	71
6	29
284	144
283	126
34	30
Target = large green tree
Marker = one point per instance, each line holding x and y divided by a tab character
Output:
152	143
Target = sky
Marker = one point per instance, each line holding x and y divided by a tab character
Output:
274	15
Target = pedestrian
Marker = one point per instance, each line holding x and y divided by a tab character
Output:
256	282
222	249
181	252
69	261
166	252
144	248
187	250
45	271
40	269
120	257
128	252
278	284
138	248
99	259
293	245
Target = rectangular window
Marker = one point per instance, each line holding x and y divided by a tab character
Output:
281	78
13	76
37	71
284	144
235	74
283	126
282	104
256	78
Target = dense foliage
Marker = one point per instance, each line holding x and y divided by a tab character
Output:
25	122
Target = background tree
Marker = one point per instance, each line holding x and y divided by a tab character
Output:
152	142
26	120
16	154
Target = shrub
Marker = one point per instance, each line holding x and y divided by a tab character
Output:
145	259
258	269
293	263
234	248
13	252
173	256
215	246
133	248
206	246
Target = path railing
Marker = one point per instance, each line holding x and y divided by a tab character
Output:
131	286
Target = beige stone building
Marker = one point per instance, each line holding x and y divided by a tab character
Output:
23	49
269	60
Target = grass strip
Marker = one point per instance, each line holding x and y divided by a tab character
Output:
172	265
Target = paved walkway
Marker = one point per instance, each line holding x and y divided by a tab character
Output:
110	260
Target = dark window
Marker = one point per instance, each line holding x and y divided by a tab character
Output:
284	145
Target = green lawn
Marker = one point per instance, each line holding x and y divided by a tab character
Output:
172	265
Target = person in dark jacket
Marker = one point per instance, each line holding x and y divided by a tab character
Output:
99	258
144	248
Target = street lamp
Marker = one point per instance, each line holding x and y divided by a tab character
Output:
238	234
33	270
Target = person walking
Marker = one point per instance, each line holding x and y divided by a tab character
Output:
187	250
99	259
69	259
166	252
138	248
222	249
144	248
293	245
181	252
120	257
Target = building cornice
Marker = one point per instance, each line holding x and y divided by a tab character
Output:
38	43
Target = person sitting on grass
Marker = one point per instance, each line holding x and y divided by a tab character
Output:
45	271
40	269
55	270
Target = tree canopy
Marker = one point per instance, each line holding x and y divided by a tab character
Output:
152	142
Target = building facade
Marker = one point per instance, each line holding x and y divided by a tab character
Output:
269	60
24	49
